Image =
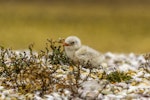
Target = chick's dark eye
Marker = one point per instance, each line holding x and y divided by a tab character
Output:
72	43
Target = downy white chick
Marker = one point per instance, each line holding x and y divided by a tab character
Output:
81	53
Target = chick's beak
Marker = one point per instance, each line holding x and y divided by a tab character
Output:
65	44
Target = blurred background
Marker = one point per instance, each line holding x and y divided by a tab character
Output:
119	26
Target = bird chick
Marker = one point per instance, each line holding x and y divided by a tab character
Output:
81	53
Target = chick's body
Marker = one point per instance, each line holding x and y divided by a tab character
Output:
81	53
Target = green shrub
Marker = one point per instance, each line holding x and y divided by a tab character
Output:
117	76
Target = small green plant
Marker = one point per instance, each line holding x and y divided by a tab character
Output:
58	55
118	76
28	72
